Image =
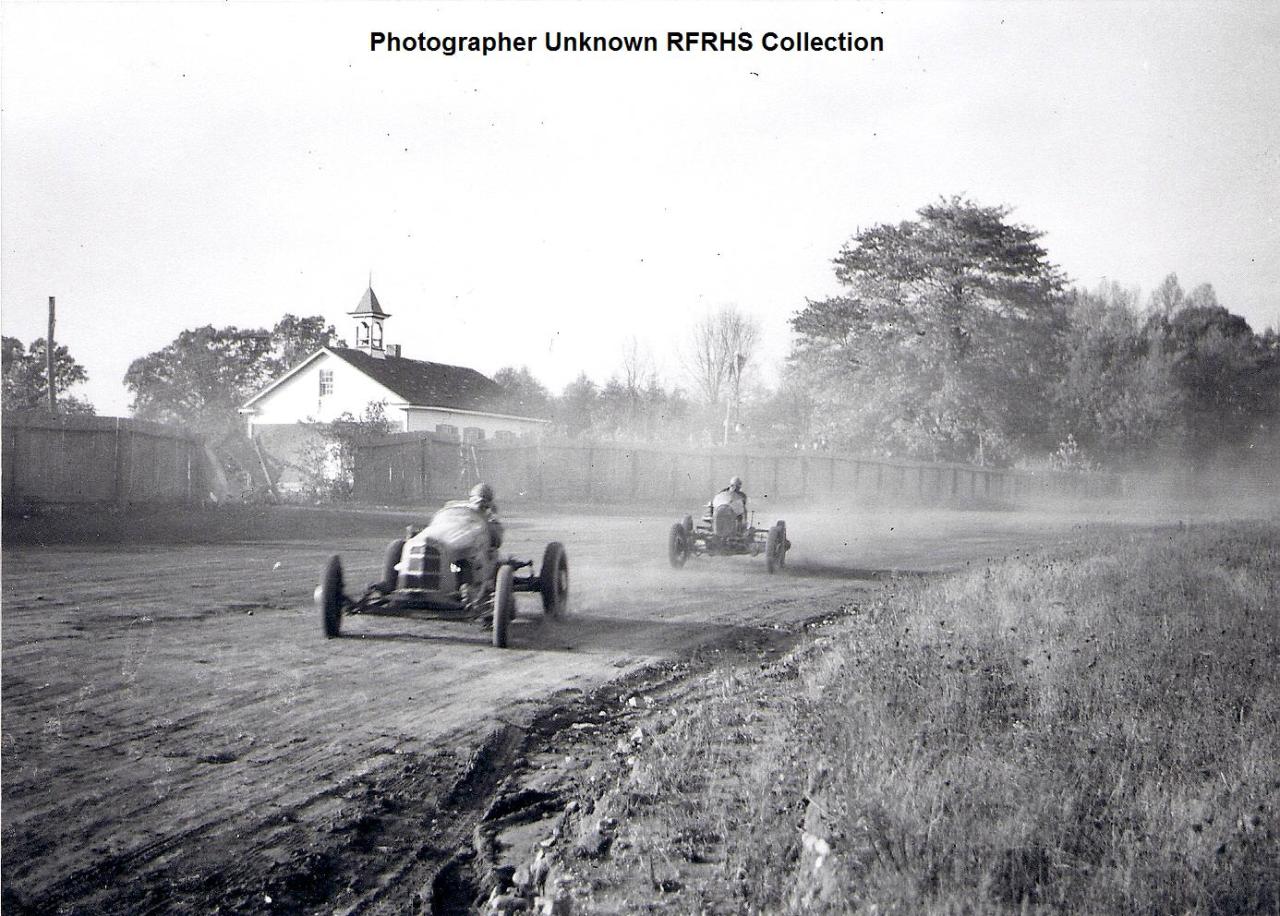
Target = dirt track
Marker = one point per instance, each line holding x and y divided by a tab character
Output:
179	736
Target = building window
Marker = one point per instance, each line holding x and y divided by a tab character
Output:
326	382
504	435
473	434
448	430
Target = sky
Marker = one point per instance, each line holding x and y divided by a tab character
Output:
169	165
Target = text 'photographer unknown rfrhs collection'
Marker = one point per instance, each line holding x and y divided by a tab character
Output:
500	43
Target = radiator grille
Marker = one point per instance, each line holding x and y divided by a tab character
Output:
424	567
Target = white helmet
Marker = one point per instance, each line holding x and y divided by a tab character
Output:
735	483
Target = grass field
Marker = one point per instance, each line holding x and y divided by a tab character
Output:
1094	729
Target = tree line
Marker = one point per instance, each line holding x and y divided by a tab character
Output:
953	338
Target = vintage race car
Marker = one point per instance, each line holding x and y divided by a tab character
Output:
449	570
722	533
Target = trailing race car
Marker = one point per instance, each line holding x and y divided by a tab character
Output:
722	532
449	570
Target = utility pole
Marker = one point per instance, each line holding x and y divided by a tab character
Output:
48	363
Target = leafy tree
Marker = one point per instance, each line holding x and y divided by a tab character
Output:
203	376
523	395
328	465
784	418
26	383
946	343
293	339
1115	400
1168	298
1225	375
577	406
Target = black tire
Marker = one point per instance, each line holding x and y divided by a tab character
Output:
771	549
688	524
677	546
783	544
329	598
389	574
504	605
553	579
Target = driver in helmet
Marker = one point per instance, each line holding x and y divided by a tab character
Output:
733	496
481	499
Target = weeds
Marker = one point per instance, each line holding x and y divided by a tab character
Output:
1096	730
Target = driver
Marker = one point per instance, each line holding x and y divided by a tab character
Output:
481	499
734	497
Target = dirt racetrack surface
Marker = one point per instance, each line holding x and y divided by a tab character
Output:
179	736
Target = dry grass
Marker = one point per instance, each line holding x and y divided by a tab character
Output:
1089	731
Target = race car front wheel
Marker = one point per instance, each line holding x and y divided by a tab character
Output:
391	575
504	605
677	545
553	580
329	598
773	550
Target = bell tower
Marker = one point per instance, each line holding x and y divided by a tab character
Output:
369	317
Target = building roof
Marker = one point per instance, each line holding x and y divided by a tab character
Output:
369	305
425	384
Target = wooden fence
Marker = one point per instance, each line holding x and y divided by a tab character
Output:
408	468
70	460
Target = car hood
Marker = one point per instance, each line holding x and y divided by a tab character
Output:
460	528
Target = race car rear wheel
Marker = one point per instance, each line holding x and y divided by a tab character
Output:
554	580
678	545
504	605
773	550
330	599
390	575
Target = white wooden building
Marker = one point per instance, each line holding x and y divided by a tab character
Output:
454	401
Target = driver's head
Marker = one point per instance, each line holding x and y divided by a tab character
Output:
482	495
735	484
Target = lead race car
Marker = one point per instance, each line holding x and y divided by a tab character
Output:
724	532
449	570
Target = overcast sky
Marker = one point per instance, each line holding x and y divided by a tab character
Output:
168	165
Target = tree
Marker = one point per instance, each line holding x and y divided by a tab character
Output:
26	383
1167	298
293	339
522	394
946	343
1116	400
638	375
328	465
577	406
203	376
1225	376
784	418
721	348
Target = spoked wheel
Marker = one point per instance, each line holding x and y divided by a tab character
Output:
773	550
554	580
390	575
504	605
329	598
